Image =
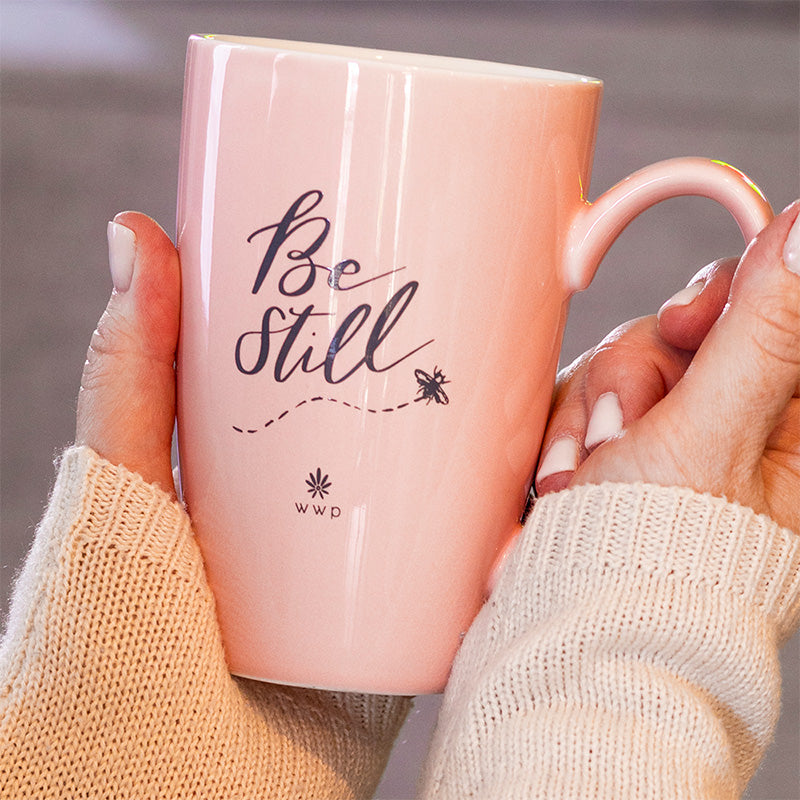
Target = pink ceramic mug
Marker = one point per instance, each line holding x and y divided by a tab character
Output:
378	250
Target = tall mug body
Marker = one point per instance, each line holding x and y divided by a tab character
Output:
377	252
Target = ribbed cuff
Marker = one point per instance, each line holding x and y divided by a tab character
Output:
120	508
664	531
107	508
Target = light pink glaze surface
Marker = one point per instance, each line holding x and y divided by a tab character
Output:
455	192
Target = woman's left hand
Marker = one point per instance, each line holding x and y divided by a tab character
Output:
126	405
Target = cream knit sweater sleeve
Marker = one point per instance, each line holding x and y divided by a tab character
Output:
629	651
112	675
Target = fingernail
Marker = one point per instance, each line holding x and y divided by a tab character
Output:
606	420
561	457
121	255
683	297
791	249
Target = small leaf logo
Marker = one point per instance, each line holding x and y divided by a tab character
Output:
318	484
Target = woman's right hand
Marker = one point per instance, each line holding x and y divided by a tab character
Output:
703	396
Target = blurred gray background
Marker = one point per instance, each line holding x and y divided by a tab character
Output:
91	99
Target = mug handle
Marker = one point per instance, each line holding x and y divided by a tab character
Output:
596	226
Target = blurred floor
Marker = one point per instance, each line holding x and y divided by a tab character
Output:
91	97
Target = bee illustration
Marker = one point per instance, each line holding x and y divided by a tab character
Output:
431	387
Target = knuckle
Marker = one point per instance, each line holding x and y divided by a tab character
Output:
106	339
94	371
108	344
776	328
628	357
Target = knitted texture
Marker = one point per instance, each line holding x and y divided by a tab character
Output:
629	650
113	681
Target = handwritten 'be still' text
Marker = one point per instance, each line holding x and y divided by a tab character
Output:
292	245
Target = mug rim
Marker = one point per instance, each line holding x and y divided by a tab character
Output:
395	58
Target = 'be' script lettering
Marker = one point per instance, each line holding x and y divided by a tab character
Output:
284	337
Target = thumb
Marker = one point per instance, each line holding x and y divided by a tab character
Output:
748	367
126	405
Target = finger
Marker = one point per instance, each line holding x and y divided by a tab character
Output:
126	405
561	450
748	367
558	464
618	381
686	318
561	454
627	375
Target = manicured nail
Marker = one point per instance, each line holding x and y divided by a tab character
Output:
606	420
791	249
683	297
561	457
121	255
